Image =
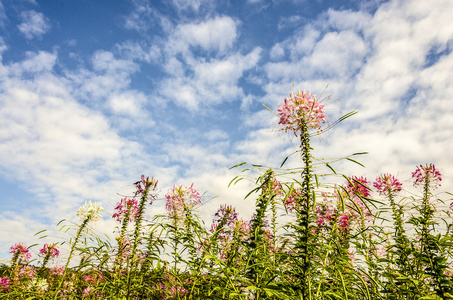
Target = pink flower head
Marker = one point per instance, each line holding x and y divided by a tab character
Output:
357	186
49	249
301	107
57	270
178	198
4	284
20	252
144	184
227	213
87	291
427	173
344	221
387	184
320	222
27	271
126	205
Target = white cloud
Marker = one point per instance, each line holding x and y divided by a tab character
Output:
65	152
140	18
109	75
183	5
3	17
34	24
216	35
377	65
277	52
290	22
39	62
212	82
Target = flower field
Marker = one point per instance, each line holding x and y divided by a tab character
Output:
307	239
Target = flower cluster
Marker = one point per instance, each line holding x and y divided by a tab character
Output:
427	173
50	251
225	213
301	108
124	207
4	284
90	211
357	186
387	184
343	222
178	198
39	285
292	200
20	252
145	184
57	270
325	212
27	272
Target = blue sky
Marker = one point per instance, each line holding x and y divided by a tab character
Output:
93	94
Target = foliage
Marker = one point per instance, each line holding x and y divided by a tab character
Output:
306	240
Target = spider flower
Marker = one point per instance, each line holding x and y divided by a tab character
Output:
357	186
301	107
427	173
178	198
90	211
20	252
4	284
49	249
387	184
124	207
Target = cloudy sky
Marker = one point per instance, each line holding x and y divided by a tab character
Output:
93	95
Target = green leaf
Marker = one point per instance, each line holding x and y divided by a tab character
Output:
350	159
330	167
284	161
238	165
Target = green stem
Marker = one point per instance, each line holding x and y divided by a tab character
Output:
79	233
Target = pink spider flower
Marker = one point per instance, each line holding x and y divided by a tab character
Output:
301	107
27	271
57	270
145	183
178	198
20	252
344	221
320	222
427	173
87	291
357	186
123	207
387	184
49	249
4	284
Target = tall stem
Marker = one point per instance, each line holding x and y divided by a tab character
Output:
79	233
305	202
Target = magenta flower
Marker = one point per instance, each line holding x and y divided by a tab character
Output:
301	107
49	249
427	173
20	252
344	221
27	271
4	284
227	213
179	198
320	222
124	207
57	270
387	184
145	183
357	186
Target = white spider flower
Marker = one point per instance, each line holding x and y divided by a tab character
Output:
90	210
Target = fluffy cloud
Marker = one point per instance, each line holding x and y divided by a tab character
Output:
34	24
214	35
